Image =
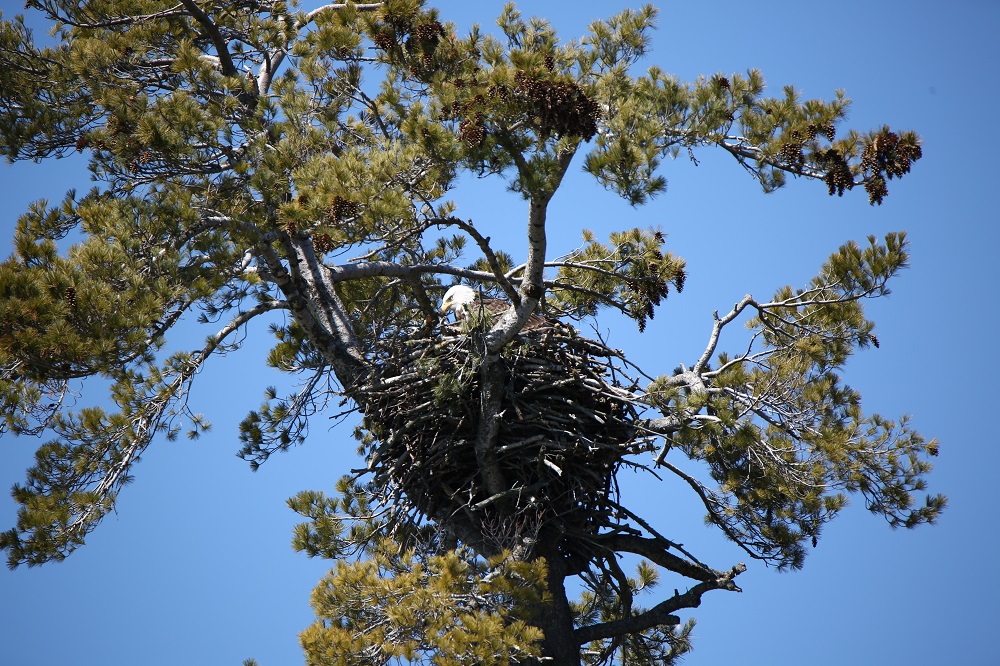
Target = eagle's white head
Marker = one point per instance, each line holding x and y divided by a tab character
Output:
457	299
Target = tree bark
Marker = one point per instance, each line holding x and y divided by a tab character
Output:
491	386
314	303
560	646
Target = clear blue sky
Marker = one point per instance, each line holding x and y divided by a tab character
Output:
195	567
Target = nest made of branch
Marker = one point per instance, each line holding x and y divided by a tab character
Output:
566	422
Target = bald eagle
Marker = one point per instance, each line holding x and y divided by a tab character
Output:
463	301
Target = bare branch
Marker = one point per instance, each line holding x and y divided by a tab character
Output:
491	258
660	614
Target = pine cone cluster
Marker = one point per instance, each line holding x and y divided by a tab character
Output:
424	40
473	130
341	209
501	92
384	39
419	41
887	153
792	153
838	175
322	243
555	107
558	107
890	155
827	129
459	109
877	190
120	127
429	33
71	297
650	291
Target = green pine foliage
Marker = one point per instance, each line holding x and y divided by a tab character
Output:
405	599
262	166
633	274
785	473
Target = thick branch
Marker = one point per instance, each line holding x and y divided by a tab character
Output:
491	382
221	48
366	7
313	301
660	614
655	551
533	284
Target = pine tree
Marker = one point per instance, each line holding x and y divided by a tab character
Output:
253	159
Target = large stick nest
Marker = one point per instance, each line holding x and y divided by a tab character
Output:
567	420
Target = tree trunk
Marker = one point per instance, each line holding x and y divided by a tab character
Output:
559	647
491	381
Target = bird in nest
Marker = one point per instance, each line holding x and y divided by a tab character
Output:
465	302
